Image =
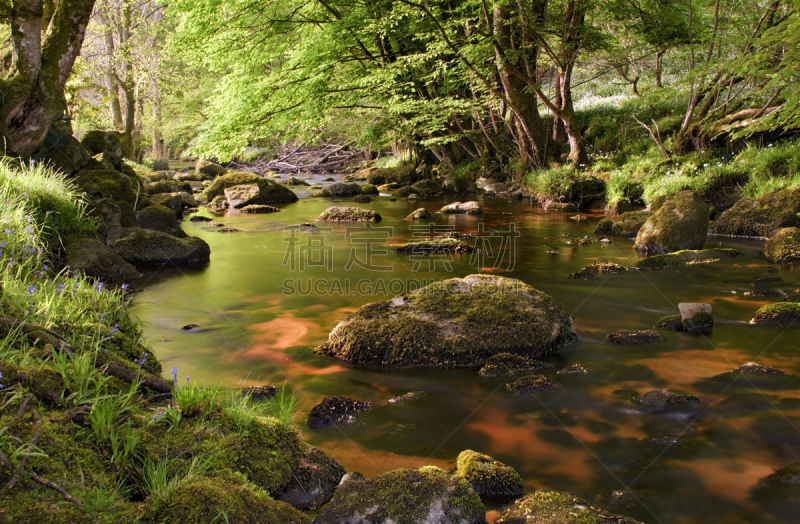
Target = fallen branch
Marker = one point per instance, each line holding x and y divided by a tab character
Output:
157	397
128	375
34	332
56	487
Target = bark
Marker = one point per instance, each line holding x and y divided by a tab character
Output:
659	67
32	95
113	87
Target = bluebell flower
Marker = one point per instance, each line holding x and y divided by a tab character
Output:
32	290
1	376
124	287
114	330
60	287
187	378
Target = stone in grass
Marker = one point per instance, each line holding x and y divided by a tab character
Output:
574	369
259	208
489	477
784	246
659	399
313	481
336	411
451	323
428	495
670	323
260	392
441	245
362	199
601	267
553	507
460	208
780	313
507	363
635	337
349	214
686	257
420	214
532	385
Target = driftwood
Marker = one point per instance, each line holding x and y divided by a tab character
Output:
296	159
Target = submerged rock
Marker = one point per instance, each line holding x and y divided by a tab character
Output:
788	476
601	267
763	281
532	385
440	245
780	313
455	322
784	246
763	216
659	399
335	411
758	369
313	481
552	507
460	208
635	337
670	323
349	214
489	477
680	222
426	495
686	257
506	364
155	248
420	214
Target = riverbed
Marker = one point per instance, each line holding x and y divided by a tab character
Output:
272	293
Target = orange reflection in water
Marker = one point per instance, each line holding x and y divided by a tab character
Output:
374	462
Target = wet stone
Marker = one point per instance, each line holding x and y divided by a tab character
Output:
635	337
667	441
763	293
188	327
623	499
506	364
200	218
659	399
758	369
411	395
670	323
229	230
574	369
334	411
764	281
260	392
601	267
531	386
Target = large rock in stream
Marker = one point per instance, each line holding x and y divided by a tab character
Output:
678	222
784	246
261	190
148	247
455	322
763	216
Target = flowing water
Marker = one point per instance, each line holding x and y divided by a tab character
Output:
588	439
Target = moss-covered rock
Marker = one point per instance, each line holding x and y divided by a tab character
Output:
369	189
460	208
106	184
629	223
62	151
313	481
163	186
243	195
619	206
92	258
420	214
171	201
763	216
604	227
111	215
208	170
489	477
218	204
296	182
402	175
659	399
427	188
219	498
680	222
670	323
156	248
160	218
794	296
700	321
348	214
403	192
532	385
681	258
601	267
551	507
784	246
426	495
562	207
455	322
98	141
362	199
507	363
339	189
780	313
270	192
336	411
459	185
440	245
259	208
634	337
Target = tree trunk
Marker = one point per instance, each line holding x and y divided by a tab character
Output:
659	67
113	88
558	126
32	94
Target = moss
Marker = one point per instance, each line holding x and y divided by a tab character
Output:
403	192
106	184
604	227
442	245
271	192
313	481
405	495
507	363
780	313
160	218
349	214
259	208
551	507
362	199
369	189
628	224
634	337
427	188
455	322
221	498
670	323
794	296
679	223
209	169
339	190
532	385
398	175
763	216
784	246
685	257
92	258
169	200
98	141
165	186
487	476
700	321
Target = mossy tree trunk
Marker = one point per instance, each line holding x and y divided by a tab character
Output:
46	38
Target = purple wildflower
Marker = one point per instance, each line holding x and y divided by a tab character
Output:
124	287
32	290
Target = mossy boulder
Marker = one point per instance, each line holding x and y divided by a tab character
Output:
62	151
348	214
670	323
619	206
507	364
218	204
220	498
604	227
296	182
402	175
164	186
106	184
552	507
171	201
794	296
208	170
780	313
563	207
259	208
427	495
270	192
532	386
111	215
155	248
313	481
629	223
439	245
461	208
685	257
160	218
784	246
403	192
420	214
634	337
459	185
700	321
106	143
600	267
763	216
369	189
362	199
93	258
339	189
243	195
427	188
680	222
455	322
336	411
489	477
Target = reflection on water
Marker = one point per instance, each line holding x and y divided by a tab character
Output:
588	438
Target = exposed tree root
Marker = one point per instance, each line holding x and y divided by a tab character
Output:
35	332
